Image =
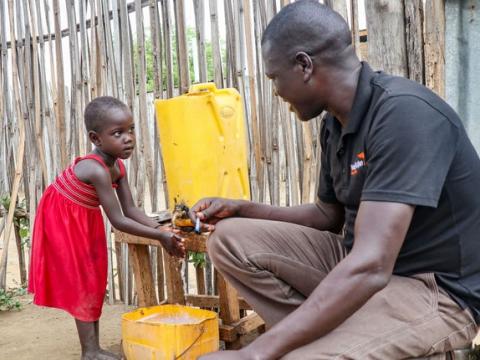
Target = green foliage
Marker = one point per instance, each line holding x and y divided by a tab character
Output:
22	222
9	299
474	353
197	259
150	66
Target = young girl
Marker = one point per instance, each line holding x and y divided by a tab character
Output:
69	252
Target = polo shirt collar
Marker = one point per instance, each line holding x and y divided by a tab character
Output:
361	102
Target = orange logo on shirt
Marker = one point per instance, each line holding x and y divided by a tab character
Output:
359	163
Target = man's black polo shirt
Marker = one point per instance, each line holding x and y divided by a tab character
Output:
404	144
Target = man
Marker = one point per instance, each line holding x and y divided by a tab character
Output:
398	175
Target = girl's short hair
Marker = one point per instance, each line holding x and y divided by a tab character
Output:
98	110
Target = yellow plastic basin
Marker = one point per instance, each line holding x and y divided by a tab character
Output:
169	332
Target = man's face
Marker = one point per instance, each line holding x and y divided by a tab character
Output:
291	84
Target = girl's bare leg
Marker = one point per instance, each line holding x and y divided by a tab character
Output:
88	332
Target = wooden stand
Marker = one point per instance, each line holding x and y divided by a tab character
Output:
233	327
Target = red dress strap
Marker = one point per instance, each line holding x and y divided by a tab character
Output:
97	158
121	166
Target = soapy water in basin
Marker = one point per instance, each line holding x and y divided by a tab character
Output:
179	319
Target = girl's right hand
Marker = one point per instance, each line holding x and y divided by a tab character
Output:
174	244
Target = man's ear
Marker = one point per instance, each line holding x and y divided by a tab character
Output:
305	62
94	138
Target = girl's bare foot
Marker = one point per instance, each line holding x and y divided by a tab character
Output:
100	354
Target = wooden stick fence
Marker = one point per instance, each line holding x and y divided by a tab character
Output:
57	55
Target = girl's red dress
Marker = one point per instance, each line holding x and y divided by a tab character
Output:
68	268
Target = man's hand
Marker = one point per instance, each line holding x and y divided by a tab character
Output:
212	210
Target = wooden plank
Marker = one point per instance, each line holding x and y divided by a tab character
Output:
60	85
215	34
227	333
19	156
248	324
229	308
168	47
256	133
212	301
193	242
355	27
139	258
231	333
199	6
182	54
200	277
414	39
339	6
37	103
386	36
160	275
144	147
120	274
175	293
435	46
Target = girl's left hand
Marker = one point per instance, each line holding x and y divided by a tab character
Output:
174	244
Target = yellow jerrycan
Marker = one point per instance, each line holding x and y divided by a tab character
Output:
204	145
169	332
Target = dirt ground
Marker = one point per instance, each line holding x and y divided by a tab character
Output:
38	333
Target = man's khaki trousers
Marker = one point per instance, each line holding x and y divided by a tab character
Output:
276	265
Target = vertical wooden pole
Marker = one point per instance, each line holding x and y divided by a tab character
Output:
60	85
435	46
181	46
386	36
216	54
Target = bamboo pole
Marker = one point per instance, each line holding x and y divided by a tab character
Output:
216	53
199	7
386	25
414	39
435	46
60	86
354	27
50	115
181	46
37	103
145	145
20	151
76	89
168	46
258	144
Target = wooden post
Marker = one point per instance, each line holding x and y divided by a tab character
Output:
435	46
339	6
142	272
60	85
414	39
168	47
216	54
160	275
120	274
175	294
19	155
200	277
386	36
229	307
182	54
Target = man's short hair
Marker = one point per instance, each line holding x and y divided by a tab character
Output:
98	109
307	25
